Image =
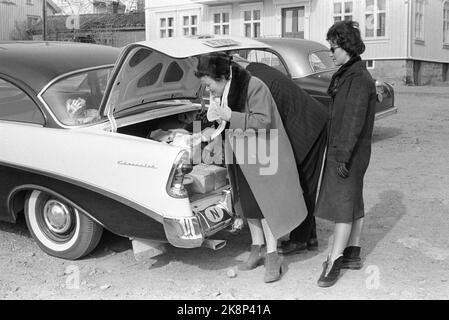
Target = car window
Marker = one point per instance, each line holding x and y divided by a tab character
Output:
266	57
75	99
16	105
320	60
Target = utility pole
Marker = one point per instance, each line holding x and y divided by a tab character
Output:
44	20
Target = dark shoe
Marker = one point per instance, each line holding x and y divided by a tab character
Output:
330	273
291	247
273	267
351	258
312	244
255	259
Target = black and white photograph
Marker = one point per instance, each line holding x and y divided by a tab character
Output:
231	152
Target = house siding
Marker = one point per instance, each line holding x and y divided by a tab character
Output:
394	54
17	10
431	49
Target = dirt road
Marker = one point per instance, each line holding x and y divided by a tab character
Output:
405	242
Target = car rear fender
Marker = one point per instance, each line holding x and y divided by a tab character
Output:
134	169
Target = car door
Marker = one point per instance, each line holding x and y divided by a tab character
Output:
16	106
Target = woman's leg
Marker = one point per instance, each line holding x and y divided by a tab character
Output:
332	266
342	232
269	237
273	261
257	237
356	232
257	232
351	255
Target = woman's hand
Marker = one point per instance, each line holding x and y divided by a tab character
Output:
220	113
238	225
75	105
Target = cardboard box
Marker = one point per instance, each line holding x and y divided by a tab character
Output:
220	175
207	178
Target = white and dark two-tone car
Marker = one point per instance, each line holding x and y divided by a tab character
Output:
77	147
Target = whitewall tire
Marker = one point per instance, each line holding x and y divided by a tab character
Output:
58	227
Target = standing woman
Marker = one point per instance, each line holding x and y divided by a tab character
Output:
271	201
352	108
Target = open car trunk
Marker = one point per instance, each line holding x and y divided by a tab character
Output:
207	184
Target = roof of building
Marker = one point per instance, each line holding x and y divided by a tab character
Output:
36	63
133	20
53	6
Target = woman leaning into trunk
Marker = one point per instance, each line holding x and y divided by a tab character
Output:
352	108
270	199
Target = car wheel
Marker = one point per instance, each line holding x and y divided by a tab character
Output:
58	228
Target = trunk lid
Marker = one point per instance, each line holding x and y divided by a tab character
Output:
151	71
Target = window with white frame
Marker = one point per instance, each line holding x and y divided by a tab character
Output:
419	19
190	25
251	21
343	10
369	64
375	18
166	27
220	22
446	23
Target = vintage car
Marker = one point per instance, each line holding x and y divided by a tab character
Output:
79	146
89	141
309	64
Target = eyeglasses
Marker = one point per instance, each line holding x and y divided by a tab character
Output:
332	49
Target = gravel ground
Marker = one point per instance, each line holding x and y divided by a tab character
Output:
405	241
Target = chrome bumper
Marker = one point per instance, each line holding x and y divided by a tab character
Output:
209	217
386	113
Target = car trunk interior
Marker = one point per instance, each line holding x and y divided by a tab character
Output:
205	180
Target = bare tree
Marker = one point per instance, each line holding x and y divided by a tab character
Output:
83	5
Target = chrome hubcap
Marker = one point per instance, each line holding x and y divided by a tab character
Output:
57	216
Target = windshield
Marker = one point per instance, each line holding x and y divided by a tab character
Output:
75	99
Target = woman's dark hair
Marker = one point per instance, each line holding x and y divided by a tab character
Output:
215	65
346	35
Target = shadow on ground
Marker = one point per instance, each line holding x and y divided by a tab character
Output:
385	133
209	259
379	221
19	227
382	218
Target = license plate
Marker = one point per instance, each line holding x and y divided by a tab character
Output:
213	217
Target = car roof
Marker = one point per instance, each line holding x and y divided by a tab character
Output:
295	53
36	63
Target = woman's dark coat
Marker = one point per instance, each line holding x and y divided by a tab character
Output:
352	111
305	120
277	192
303	116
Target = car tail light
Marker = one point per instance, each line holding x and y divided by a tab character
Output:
380	91
379	87
181	166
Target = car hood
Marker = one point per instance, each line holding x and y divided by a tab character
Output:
151	71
